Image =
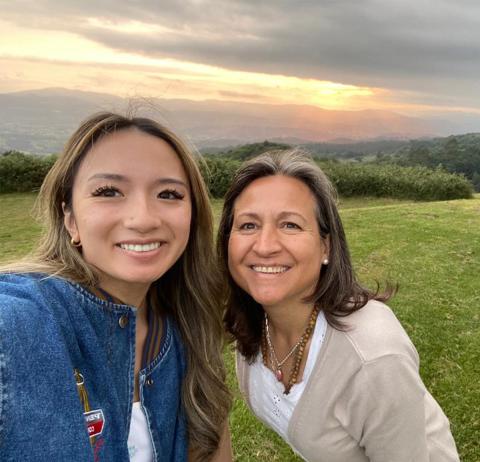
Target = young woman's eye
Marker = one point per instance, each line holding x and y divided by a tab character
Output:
106	191
171	194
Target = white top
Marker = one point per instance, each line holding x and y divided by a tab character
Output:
267	399
140	448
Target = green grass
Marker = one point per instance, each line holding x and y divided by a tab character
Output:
432	250
18	230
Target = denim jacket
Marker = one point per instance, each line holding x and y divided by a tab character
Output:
50	327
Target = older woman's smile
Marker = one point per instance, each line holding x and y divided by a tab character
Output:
269	269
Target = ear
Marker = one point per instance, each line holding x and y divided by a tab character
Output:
70	223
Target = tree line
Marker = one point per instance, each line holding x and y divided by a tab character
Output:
20	172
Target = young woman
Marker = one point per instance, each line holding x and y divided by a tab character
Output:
110	337
320	359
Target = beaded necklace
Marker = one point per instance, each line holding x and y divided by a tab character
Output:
299	348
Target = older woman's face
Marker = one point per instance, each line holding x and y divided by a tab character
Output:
275	251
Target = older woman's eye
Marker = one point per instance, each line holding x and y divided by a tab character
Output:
290	225
247	226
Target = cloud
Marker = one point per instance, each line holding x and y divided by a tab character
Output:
431	46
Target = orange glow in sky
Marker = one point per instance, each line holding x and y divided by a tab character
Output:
32	58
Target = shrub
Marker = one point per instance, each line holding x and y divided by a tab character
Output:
247	151
21	172
24	173
387	180
218	174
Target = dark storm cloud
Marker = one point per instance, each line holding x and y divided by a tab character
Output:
403	44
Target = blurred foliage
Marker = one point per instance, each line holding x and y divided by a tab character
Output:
21	172
416	183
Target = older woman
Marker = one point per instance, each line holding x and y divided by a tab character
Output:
320	359
111	335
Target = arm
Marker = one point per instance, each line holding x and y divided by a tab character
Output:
387	413
222	454
394	426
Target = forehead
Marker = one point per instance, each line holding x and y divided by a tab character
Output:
276	193
134	153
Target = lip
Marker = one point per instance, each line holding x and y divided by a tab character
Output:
141	241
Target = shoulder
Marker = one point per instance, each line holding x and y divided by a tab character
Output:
34	286
375	332
12	283
18	284
18	292
29	299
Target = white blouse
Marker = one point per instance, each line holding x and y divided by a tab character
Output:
267	399
140	447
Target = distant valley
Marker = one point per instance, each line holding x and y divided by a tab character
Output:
40	121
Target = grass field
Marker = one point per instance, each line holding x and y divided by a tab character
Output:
432	250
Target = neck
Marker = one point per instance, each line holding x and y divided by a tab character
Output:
288	321
132	295
138	299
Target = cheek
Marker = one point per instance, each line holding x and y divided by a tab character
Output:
232	268
314	258
233	249
236	252
236	273
182	223
90	222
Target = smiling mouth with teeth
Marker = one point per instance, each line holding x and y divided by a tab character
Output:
140	247
270	269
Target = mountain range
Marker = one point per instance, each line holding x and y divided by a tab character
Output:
39	121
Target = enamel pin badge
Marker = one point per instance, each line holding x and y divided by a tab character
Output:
95	422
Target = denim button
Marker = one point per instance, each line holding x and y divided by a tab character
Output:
149	382
123	321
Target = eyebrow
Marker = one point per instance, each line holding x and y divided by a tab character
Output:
107	176
124	179
247	214
281	215
289	213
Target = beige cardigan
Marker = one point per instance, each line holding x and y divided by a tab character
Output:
365	400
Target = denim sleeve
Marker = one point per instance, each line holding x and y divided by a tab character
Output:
3	390
15	313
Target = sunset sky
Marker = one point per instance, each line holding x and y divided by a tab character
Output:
411	56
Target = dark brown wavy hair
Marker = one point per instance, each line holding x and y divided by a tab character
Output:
337	292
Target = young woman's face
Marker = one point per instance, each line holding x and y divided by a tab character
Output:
131	209
275	250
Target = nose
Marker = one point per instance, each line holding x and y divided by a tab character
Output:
267	242
141	215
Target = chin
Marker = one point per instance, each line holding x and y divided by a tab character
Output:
141	278
266	300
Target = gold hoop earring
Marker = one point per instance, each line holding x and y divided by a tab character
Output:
75	243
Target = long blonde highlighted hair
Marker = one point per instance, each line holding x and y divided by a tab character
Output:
189	291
